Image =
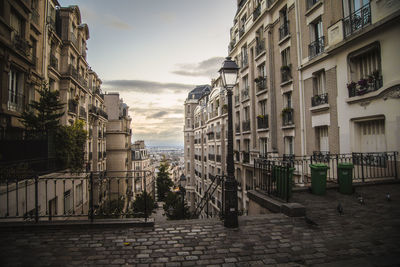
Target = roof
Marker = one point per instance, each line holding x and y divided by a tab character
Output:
199	91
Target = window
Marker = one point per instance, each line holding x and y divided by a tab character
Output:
72	60
357	15
260	41
317	44
285	54
286	66
284	28
244	57
288	99
323	139
246	115
370	136
15	91
288	142
263	147
17	25
319	92
263	107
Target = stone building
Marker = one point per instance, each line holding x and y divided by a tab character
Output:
142	169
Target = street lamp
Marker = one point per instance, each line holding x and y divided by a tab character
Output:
229	75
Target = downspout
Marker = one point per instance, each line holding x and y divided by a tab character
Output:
45	44
301	89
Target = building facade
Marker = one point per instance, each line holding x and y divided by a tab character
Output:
142	168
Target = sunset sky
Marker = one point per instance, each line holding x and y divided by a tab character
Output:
154	52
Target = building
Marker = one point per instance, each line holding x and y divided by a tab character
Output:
142	168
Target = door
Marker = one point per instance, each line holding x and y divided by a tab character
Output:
372	136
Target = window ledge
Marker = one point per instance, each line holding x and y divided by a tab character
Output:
260	55
261	92
244	68
319	108
245	100
284	39
286	82
314	7
288	126
263	130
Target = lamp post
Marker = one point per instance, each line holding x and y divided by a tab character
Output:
229	75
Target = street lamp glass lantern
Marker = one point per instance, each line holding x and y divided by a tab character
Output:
229	73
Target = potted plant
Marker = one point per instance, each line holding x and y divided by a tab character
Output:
363	83
286	110
260	116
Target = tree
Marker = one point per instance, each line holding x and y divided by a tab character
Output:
43	116
164	183
139	204
71	142
175	208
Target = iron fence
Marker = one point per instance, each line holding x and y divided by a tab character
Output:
357	20
27	196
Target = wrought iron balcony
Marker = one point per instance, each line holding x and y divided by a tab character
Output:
357	20
260	46
284	30
218	135
72	106
246	126
16	101
241	31
316	47
102	113
245	94
261	83
237	127
237	156
311	3
246	157
82	112
364	86
319	99
21	44
287	116
211	136
262	121
288	157
211	157
256	12
53	62
286	73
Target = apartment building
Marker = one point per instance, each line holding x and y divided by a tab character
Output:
189	106
143	170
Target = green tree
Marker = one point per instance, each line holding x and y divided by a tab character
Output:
164	182
43	116
175	208
71	142
139	204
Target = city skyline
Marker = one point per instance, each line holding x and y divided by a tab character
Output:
154	73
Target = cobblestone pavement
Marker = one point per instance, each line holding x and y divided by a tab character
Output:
365	235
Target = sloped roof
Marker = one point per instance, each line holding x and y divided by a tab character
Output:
199	91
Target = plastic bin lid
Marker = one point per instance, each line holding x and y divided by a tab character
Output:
346	165
319	166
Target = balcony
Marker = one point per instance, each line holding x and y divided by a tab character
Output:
53	62
364	86
261	83
237	156
287	116
35	16
244	62
311	3
16	101
82	112
211	136
256	12
246	157
288	157
284	30
316	47
357	20
286	73
237	127
262	122
319	100
241	31
93	109
236	100
211	157
21	45
260	46
72	106
246	126
102	113
245	94
232	44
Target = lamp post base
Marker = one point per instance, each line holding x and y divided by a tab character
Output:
231	201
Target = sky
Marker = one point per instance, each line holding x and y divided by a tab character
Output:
153	52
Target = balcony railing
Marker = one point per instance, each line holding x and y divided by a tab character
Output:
256	12
72	71
102	113
237	128
72	106
262	122
237	156
261	83
260	46
316	47
54	62
35	16
21	44
211	136
15	101
286	73
319	99
284	30
246	157
241	31
287	117
82	112
246	126
245	94
311	3
211	157
357	20
364	86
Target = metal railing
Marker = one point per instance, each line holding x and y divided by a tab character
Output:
218	158
316	47
241	31
260	46
262	121
365	86
245	94
211	157
357	20
287	117
65	196
246	126
16	101
237	128
284	30
256	12
21	44
73	39
216	181
246	157
286	73
261	84
319	99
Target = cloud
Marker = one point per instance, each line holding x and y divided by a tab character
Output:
157	115
141	86
106	19
205	68
116	23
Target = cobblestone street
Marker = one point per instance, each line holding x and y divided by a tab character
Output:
365	235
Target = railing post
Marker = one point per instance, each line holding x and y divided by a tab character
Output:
362	167
91	197
395	165
37	199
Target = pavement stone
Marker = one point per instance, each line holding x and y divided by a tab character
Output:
365	235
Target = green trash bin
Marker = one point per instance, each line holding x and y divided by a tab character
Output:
318	178
345	177
283	185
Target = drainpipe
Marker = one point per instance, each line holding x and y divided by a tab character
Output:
300	77
45	44
273	120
